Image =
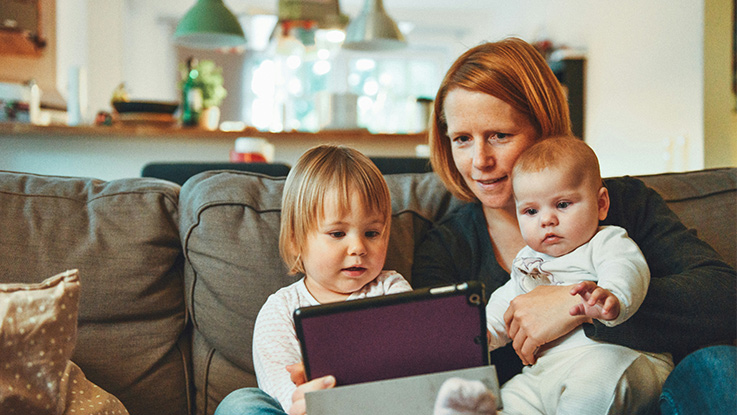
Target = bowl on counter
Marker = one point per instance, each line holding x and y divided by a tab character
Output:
151	107
145	113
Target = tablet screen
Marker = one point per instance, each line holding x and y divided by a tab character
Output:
423	331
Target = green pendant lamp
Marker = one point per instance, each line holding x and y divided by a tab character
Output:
373	30
209	25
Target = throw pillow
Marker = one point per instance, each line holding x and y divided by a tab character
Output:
38	331
80	396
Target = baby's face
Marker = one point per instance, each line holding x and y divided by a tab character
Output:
345	252
557	211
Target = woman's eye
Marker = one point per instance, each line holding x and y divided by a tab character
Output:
563	205
461	139
498	137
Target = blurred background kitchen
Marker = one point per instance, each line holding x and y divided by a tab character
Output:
655	81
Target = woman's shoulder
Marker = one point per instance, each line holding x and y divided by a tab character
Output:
458	229
460	232
465	217
630	201
624	184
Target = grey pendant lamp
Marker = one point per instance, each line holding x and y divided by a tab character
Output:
373	30
209	25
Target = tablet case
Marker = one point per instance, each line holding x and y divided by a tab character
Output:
423	331
413	395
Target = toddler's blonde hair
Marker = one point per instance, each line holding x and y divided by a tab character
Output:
327	171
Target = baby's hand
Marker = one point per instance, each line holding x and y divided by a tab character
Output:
596	302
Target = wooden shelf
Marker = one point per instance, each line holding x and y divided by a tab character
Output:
348	136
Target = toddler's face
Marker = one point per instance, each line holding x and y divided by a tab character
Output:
557	211
345	252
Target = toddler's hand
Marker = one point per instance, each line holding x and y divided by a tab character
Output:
596	302
299	405
297	373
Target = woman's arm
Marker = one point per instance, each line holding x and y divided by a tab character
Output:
692	298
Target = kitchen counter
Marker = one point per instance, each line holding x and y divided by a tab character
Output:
112	152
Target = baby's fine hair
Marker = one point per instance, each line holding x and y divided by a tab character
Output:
327	171
565	152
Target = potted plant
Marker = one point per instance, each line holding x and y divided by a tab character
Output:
206	77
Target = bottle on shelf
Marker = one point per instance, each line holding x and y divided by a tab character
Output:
191	96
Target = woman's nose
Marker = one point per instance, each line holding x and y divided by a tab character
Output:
482	154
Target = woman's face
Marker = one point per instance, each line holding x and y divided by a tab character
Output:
486	137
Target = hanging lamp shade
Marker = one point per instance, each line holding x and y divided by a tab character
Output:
373	29
326	13
209	25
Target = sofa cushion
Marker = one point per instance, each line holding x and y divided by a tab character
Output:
38	324
230	232
38	328
122	236
80	396
705	201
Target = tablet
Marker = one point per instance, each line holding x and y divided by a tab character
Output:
423	331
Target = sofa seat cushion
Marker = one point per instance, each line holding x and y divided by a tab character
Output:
122	236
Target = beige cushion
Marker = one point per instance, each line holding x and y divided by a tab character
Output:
38	327
80	396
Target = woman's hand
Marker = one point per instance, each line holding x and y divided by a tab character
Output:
539	317
297	374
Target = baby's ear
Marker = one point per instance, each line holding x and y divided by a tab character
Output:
603	201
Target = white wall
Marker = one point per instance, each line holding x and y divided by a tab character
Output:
645	89
644	79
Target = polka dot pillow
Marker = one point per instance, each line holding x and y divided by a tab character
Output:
38	331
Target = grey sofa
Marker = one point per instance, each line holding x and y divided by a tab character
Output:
172	277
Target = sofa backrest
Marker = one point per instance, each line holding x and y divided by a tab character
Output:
130	238
230	231
705	201
122	236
